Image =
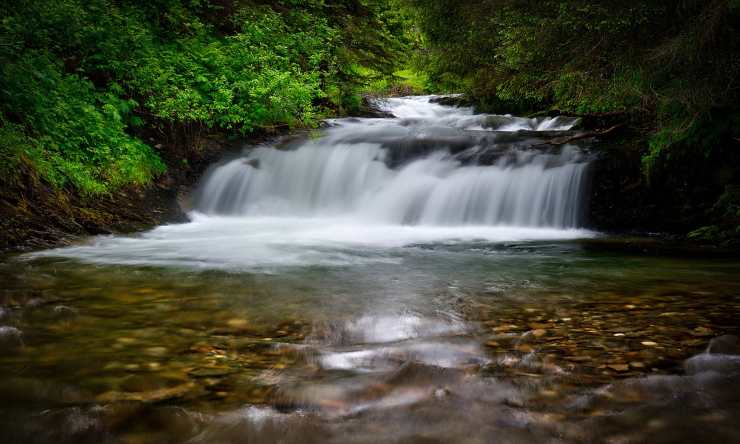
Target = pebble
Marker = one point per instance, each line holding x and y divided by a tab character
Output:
725	344
441	393
701	332
649	343
147	396
237	323
155	351
538	333
64	311
10	337
619	367
507	327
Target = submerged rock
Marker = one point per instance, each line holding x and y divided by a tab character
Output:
725	344
11	338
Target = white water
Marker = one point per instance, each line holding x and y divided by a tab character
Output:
345	174
367	186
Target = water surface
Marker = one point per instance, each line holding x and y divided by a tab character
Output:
362	308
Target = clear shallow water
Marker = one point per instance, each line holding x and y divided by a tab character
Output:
467	342
338	312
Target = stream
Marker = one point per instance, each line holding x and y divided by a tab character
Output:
426	278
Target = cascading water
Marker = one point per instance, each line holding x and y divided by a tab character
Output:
348	172
364	187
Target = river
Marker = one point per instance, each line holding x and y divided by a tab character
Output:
426	278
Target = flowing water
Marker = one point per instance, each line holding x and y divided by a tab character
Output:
419	279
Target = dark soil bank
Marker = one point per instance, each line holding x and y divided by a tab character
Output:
34	215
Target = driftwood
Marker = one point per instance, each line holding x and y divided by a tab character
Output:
588	135
555	113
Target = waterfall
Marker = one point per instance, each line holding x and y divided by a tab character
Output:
369	191
432	165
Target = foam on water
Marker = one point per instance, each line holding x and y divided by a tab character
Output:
339	200
267	242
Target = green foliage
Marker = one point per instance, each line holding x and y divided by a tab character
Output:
80	79
666	62
71	133
244	81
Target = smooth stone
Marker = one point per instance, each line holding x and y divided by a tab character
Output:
725	345
701	332
619	367
237	323
147	396
155	351
64	311
507	327
649	343
538	333
10	338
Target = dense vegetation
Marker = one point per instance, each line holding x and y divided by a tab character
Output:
671	69
82	80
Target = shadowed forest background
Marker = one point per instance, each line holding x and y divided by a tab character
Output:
101	99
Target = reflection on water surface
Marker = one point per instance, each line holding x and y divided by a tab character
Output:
466	342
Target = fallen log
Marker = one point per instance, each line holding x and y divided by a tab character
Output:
587	135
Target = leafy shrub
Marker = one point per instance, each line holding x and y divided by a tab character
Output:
80	78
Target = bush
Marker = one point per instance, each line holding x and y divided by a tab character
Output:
81	78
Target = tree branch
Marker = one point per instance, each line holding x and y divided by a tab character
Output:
587	135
